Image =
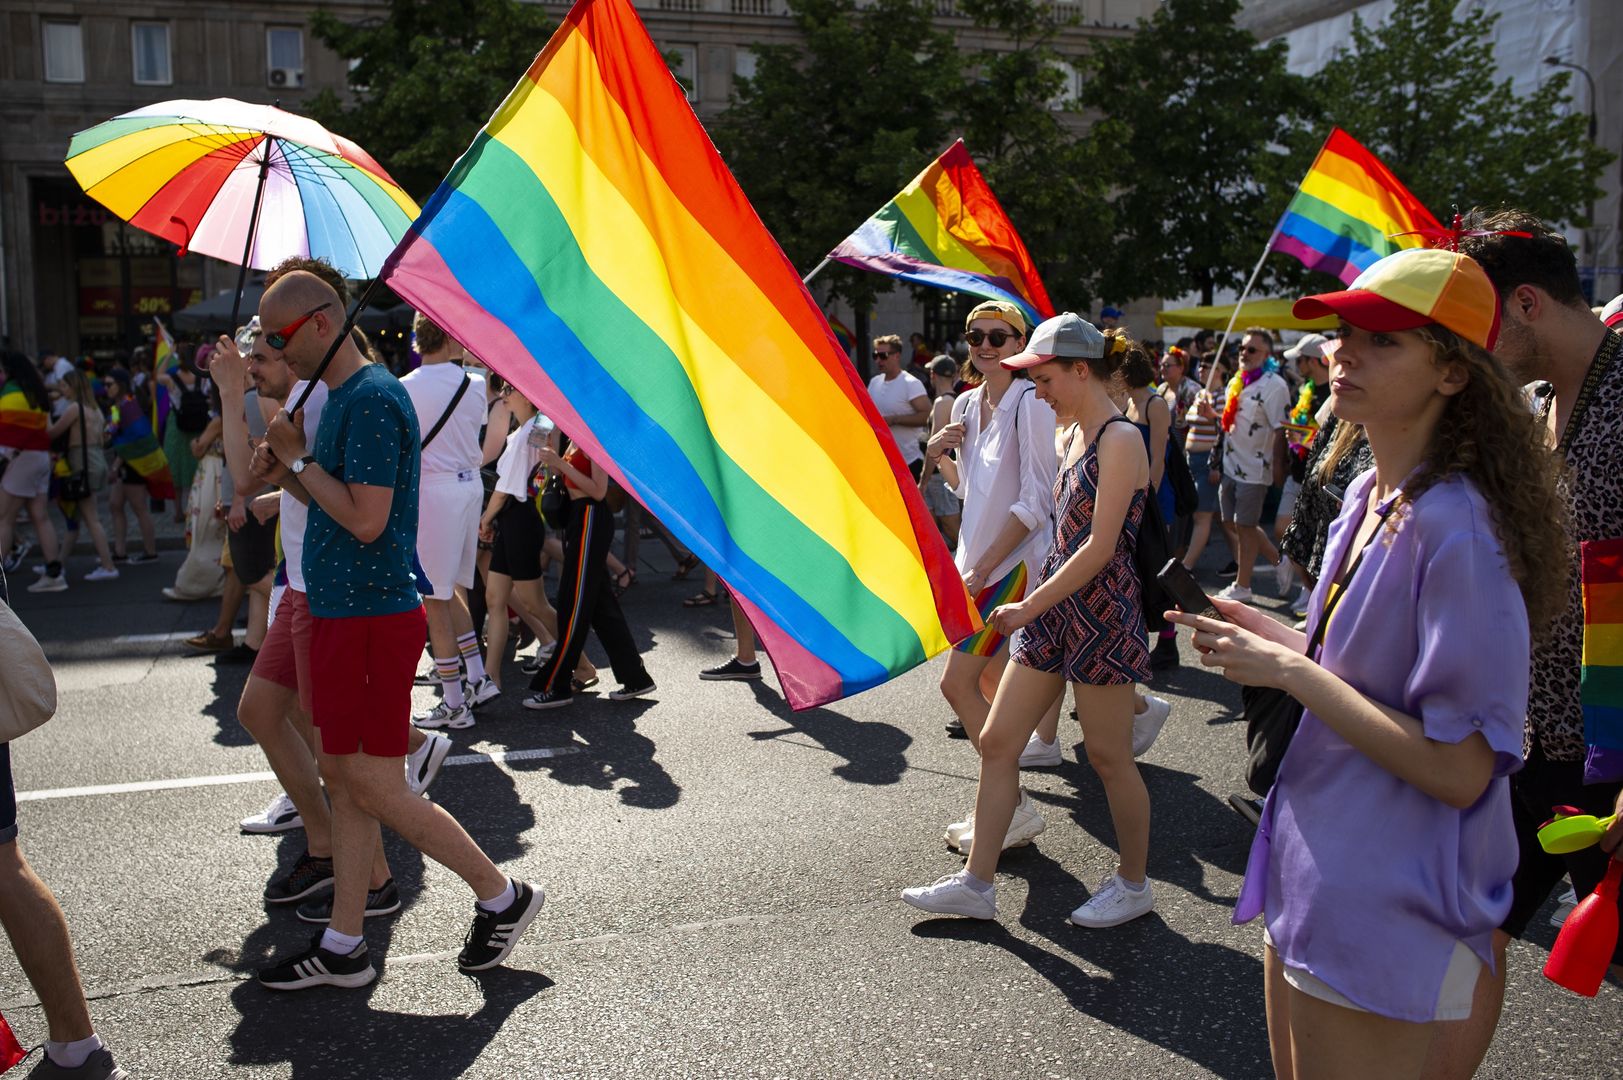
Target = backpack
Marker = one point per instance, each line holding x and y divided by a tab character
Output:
192	411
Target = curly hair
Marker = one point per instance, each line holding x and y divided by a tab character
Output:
1489	435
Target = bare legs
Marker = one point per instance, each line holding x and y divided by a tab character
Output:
1461	1045
135	497
1312	1039
9	505
39	936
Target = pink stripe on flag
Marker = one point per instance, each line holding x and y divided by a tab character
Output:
1314	259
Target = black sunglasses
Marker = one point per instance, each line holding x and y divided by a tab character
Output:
996	337
887	352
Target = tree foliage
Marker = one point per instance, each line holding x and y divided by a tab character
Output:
427	76
1190	105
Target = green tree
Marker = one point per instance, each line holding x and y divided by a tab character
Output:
1190	106
427	76
1421	90
831	128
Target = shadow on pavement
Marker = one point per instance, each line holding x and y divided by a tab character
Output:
874	753
612	750
326	1033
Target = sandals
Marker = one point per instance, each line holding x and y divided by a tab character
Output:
208	641
685	567
702	599
578	685
623	581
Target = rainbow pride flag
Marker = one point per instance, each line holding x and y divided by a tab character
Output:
133	439
163	358
1602	693
947	230
592	248
1349	212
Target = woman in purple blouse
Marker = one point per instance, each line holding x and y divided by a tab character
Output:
1383	860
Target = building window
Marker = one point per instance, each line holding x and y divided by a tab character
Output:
284	56
149	47
64	52
744	63
686	68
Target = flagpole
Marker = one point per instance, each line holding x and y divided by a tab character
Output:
818	269
1235	314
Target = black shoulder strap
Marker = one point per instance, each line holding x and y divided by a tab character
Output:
1338	591
461	389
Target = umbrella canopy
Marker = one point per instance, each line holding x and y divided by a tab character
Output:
214	314
188	171
1269	314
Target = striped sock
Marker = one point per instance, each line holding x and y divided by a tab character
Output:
449	673
468	646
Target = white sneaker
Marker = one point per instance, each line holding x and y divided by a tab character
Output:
1304	597
1039	754
103	573
1026	825
1113	903
445	715
280	816
1147	724
1238	593
1563	907
952	895
47	583
1284	576
423	765
958	829
482	692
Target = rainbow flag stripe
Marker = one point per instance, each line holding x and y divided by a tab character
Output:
1602	693
592	247
135	443
22	427
947	230
1350	212
1012	589
163	358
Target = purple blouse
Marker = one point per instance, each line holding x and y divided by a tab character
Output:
1365	881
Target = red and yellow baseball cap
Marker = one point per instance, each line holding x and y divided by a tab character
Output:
1414	288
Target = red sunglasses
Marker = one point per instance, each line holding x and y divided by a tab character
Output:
278	339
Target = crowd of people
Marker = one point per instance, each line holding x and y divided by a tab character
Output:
1428	469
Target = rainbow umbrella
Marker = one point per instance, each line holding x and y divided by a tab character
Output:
249	184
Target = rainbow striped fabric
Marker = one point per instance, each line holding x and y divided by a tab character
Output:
1011	590
132	438
592	248
1350	212
22	426
1602	694
947	230
163	358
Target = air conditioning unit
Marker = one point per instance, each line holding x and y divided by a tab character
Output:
286	77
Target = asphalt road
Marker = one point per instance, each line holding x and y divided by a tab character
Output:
721	878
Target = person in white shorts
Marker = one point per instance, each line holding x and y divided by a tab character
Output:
450	403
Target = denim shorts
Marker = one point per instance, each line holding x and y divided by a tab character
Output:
8	797
1200	466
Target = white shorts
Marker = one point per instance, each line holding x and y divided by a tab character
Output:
28	474
1453	1000
448	530
1287	497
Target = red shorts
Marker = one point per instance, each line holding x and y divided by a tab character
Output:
284	657
361	671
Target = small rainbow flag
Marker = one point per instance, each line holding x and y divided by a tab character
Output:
1349	212
1602	694
132	438
947	230
592	247
163	358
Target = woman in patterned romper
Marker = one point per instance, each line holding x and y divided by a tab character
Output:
1083	625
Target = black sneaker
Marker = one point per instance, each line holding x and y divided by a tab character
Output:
237	654
320	967
955	729
1164	656
1230	569
548	699
626	693
383	900
138	557
309	875
494	934
98	1066
1247	807
734	669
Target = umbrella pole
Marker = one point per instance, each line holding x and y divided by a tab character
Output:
337	342
253	228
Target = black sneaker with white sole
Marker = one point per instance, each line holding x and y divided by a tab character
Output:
320	967
383	900
547	699
733	670
626	693
309	876
494	933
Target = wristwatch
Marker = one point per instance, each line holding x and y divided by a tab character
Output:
299	466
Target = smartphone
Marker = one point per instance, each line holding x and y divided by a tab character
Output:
1185	591
1336	492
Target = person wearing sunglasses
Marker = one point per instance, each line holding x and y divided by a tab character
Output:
1254	409
902	400
367	628
998	456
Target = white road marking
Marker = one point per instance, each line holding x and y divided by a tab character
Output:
495	757
143	639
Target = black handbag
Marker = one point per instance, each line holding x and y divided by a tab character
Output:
554	500
75	487
1185	496
1150	554
1271	715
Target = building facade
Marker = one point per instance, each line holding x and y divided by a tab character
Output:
75	278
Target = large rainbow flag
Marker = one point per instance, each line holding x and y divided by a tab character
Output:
592	248
133	438
1602	565
947	230
1349	212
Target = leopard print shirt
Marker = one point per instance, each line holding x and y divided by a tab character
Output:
1592	485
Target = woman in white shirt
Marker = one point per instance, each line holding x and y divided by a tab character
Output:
998	456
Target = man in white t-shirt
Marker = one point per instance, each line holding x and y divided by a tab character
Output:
450	405
1263	402
902	401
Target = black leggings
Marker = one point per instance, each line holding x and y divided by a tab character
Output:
585	600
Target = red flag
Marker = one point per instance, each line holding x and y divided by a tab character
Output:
11	1051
